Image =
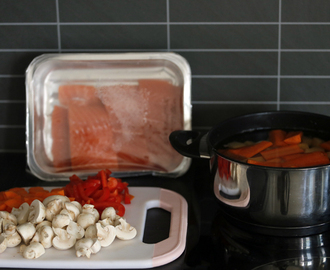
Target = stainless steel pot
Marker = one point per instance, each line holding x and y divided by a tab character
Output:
276	201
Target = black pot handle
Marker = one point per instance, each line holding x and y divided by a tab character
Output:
190	143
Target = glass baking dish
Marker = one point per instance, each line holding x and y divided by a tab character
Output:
87	112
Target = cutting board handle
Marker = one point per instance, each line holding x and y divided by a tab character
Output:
172	247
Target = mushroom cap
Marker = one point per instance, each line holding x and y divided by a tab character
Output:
85	220
8	216
21	213
53	208
60	221
109	212
63	240
32	251
8	227
87	246
44	223
46	235
13	240
67	213
75	229
73	209
3	243
26	231
55	197
125	231
89	209
37	212
78	205
91	231
106	234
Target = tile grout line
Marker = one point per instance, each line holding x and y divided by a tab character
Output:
159	23
279	56
58	27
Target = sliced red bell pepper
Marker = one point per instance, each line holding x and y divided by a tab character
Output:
120	209
127	197
76	193
103	179
92	187
121	186
112	183
105	195
75	179
81	192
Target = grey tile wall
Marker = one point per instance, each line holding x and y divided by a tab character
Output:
245	56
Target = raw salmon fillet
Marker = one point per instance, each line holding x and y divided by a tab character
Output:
74	94
126	109
61	142
91	138
164	114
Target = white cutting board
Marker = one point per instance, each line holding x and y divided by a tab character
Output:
122	254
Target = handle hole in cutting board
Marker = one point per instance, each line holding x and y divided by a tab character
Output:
157	225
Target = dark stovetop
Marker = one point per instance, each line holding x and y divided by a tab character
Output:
195	186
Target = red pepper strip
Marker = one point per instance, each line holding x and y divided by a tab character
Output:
114	193
120	209
76	193
127	197
69	190
107	172
97	194
112	183
105	195
90	191
75	179
91	183
118	199
82	193
104	179
121	186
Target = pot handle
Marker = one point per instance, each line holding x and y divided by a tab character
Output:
190	143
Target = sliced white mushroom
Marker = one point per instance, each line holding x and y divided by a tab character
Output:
26	231
8	216
78	205
125	231
44	223
63	240
67	213
85	220
87	246
110	217
21	213
46	235
106	234
72	209
53	208
8	227
89	209
3	243
91	231
75	229
60	221
55	197
13	240
37	212
32	251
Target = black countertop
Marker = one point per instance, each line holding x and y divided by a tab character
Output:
195	186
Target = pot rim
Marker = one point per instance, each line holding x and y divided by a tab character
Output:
214	128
